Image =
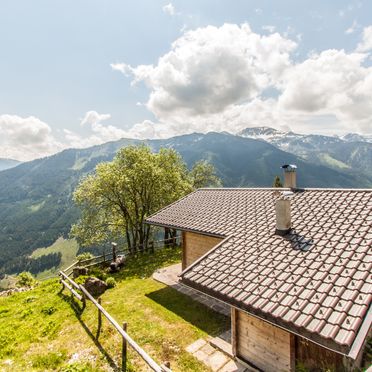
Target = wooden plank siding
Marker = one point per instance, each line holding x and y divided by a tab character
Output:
195	246
261	344
314	357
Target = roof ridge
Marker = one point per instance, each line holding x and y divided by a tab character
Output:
283	188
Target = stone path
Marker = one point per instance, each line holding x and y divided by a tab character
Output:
214	358
169	276
214	352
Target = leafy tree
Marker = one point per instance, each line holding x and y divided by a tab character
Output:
116	199
203	174
277	182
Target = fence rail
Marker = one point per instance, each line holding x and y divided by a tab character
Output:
150	362
73	287
108	256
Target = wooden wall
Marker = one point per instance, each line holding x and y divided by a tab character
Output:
195	246
261	344
313	357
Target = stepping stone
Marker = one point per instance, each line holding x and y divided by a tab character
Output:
196	346
217	360
208	349
232	366
202	356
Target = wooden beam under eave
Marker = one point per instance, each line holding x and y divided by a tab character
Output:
183	250
292	341
233	330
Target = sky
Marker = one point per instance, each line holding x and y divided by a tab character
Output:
80	73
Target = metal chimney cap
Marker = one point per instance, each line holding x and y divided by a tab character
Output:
289	167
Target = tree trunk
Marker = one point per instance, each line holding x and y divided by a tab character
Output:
166	236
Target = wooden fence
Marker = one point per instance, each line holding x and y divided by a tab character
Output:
108	256
79	292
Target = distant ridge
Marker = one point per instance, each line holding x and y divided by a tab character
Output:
8	163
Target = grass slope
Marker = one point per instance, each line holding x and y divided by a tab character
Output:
67	247
44	330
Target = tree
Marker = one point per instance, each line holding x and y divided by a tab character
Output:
203	174
277	182
115	200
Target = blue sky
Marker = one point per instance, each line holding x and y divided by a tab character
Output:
67	69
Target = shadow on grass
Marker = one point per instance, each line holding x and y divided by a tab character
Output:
191	311
78	310
143	265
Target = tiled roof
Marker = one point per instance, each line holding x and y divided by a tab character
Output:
316	281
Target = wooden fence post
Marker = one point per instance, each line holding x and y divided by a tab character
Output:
165	366
124	350
84	300
99	320
114	245
151	246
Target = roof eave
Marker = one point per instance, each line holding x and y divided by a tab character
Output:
289	327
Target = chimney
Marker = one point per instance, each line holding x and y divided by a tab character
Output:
289	175
283	216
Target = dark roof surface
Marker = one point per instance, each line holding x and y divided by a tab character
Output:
316	281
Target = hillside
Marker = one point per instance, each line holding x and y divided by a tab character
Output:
35	197
44	330
8	163
351	153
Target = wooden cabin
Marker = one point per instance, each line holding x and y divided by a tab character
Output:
298	280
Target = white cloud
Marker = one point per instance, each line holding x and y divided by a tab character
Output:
332	82
269	28
352	28
169	9
366	44
93	117
215	78
99	132
210	68
121	67
26	138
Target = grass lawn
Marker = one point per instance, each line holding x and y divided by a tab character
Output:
67	247
45	330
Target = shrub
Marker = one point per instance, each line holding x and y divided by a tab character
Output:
98	273
84	256
25	279
111	282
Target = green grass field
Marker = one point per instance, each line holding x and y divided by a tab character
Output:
45	330
67	247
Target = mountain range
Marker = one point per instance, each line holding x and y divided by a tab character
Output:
352	152
35	197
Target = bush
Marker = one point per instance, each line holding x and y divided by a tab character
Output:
98	273
84	256
25	279
111	282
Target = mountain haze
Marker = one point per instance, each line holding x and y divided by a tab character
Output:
8	163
